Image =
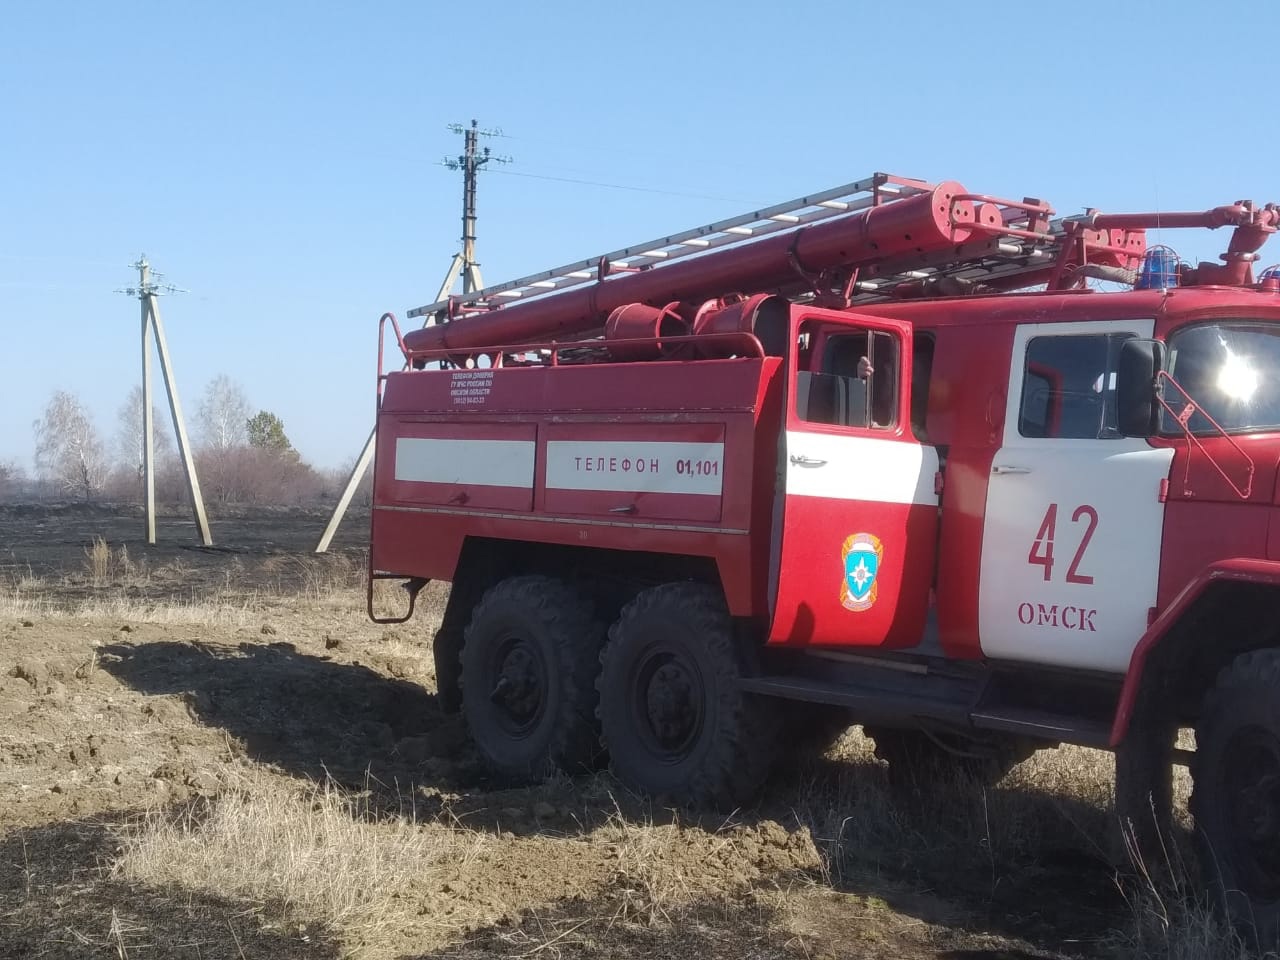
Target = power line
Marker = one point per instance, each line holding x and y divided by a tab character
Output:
624	186
596	147
57	258
629	151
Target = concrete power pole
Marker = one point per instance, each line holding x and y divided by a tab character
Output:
470	162
147	291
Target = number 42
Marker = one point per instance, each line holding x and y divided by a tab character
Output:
1041	552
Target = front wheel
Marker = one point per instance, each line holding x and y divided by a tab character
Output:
672	714
1236	793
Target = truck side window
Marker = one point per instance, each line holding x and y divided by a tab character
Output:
854	383
1069	388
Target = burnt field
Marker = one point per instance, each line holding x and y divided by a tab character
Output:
212	753
52	543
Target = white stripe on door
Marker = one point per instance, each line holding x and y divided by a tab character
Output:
486	463
859	468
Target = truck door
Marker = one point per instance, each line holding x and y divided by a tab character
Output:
854	559
1073	522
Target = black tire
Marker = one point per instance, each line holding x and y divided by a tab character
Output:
1236	793
673	717
918	761
1144	798
529	662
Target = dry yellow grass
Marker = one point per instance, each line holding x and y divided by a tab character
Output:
106	565
960	835
113	585
330	863
1175	924
288	860
316	852
98	561
196	612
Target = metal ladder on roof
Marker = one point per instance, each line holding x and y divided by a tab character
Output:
813	208
995	258
988	260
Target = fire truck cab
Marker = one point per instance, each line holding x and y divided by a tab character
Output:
881	455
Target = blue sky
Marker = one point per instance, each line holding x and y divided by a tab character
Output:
280	159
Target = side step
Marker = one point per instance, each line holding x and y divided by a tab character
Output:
1044	725
869	702
955	706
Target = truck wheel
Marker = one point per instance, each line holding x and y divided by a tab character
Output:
672	715
917	760
1236	792
529	659
1144	796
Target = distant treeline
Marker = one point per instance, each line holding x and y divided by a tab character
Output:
241	457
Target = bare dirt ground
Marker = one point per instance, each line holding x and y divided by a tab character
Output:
213	753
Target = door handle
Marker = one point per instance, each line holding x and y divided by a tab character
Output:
1007	468
800	460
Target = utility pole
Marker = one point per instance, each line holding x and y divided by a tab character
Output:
147	291
464	264
470	162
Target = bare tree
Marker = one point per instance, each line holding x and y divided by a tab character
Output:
11	478
223	414
129	433
334	479
68	450
257	475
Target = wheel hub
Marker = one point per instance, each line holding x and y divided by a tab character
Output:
519	684
671	704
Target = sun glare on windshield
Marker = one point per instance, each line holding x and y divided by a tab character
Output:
1236	378
1230	369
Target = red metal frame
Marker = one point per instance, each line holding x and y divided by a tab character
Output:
382	327
1182	417
554	347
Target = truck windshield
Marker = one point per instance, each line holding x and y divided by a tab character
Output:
1231	370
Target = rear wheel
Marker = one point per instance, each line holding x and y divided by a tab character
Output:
529	660
672	715
1236	793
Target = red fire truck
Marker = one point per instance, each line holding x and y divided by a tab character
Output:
885	453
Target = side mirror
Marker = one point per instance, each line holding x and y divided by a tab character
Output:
1137	390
